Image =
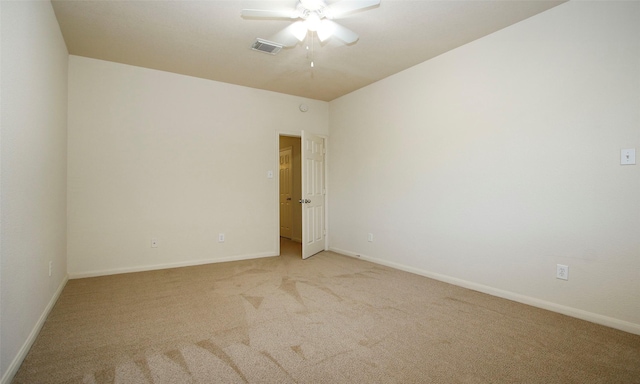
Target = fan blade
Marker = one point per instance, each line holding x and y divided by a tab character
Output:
343	7
326	29
269	14
343	33
289	36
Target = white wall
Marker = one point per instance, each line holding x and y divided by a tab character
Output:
33	174
490	164
155	154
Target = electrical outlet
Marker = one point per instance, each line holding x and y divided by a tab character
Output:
50	267
370	237
154	242
220	237
562	272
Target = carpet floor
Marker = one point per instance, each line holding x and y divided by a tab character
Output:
327	319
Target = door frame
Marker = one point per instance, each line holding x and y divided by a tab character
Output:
277	187
290	149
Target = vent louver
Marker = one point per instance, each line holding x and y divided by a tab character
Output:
266	46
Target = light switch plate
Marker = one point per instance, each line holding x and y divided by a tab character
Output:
269	174
628	156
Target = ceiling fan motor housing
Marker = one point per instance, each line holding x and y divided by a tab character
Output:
313	5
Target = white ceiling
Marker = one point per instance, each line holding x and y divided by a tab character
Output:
209	39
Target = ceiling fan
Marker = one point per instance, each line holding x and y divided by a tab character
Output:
313	16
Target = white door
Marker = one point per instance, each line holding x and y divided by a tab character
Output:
286	189
313	195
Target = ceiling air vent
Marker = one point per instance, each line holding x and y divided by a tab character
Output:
266	46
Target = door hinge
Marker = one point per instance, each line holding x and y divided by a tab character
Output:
324	232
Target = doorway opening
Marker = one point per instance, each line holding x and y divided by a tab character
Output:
290	193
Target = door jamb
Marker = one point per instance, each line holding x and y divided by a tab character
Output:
290	149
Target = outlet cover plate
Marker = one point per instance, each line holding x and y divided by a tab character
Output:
562	272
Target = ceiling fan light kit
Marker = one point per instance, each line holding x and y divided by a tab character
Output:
313	16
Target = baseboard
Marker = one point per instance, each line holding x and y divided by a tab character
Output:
144	268
12	369
569	311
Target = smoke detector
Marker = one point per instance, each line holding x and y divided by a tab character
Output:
266	46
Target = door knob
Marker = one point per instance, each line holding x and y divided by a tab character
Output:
288	198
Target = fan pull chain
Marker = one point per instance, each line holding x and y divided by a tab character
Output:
310	51
312	40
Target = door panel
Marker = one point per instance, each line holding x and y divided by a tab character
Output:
313	195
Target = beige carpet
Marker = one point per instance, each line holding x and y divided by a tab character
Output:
328	319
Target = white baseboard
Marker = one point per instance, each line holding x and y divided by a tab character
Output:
22	353
144	268
569	311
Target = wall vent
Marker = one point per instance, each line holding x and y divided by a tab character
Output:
266	46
